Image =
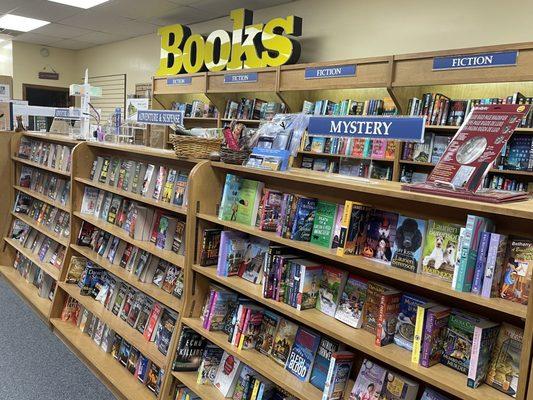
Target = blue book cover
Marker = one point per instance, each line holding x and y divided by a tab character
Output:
430	394
405	325
302	226
300	360
408	243
481	261
323	356
229	203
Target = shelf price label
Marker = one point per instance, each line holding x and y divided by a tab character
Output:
333	71
378	127
160	117
179	81
480	60
241	78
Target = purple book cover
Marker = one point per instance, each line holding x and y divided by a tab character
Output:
481	261
494	266
434	331
231	252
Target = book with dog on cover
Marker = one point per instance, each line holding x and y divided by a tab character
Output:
440	249
408	243
380	235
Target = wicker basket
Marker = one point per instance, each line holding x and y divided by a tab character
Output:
194	147
234	156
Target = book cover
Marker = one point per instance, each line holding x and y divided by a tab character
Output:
244	383
421	313
350	308
408	243
267	332
210	247
302	354
494	267
164	331
435	329
180	192
309	281
380	236
253	258
338	375
398	387
439	253
389	308
374	293
439	147
168	189
504	367
240	200
270	210
370	381
320	368
324	224
221	301
210	361
405	325
227	374
330	289
189	351
233	245
337	228
481	262
302	225
430	394
251	328
517	272
483	341
283	340
88	204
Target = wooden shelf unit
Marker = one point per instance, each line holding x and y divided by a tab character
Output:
513	217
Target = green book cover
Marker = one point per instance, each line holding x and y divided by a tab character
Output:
324	223
248	199
229	203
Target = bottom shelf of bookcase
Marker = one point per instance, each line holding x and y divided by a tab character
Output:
259	362
118	378
29	292
439	376
206	392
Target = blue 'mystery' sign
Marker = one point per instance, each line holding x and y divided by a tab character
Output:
187	80
333	71
376	127
481	60
241	78
67	113
160	117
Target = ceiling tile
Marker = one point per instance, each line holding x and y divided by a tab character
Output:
184	15
7	6
96	20
139	9
73	44
46	10
30	37
101	37
62	31
130	28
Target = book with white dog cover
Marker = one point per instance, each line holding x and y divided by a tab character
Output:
439	254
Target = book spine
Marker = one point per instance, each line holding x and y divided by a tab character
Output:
427	340
474	355
212	305
245	324
329	384
301	285
380	319
461	283
480	263
419	332
345	223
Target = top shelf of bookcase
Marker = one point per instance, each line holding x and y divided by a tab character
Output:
144	151
52	137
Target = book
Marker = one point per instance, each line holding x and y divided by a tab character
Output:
168	189
494	266
434	335
302	354
227	374
408	243
504	367
389	309
398	387
440	143
380	236
251	267
88	203
439	253
310	276
220	302
324	224
517	272
180	191
338	375
406	323
240	200
369	382
320	368
352	300
269	326
330	289
374	293
210	247
270	210
244	383
251	327
481	263
430	394
283	341
208	367
189	351
483	341
304	219
233	245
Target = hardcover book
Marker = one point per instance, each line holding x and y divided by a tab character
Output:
375	292
302	225
495	264
389	308
338	375
240	200
483	341
270	210
302	354
408	243
310	276
380	236
517	273
283	341
440	248
324	224
320	369
233	245
350	308
330	289
210	247
254	255
189	352
267	332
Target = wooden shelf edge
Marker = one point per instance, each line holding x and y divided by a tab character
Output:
43	198
439	375
38	227
27	291
37	165
153	291
206	392
120	379
49	269
259	362
365	264
133	336
114	230
53	137
133	196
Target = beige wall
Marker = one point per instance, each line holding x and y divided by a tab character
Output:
340	29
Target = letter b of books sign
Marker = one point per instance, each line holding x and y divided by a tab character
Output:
472	152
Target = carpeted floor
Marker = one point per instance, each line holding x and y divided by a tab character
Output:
34	363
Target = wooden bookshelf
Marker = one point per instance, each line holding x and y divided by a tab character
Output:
40	166
46	267
207	392
42	197
39	227
330	155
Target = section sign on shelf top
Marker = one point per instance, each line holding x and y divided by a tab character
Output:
480	60
330	71
160	117
241	78
375	127
187	80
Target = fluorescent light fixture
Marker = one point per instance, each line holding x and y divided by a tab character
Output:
21	24
85	4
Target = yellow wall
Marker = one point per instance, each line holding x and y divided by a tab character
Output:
335	30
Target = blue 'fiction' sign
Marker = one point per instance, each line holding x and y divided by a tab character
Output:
333	71
241	78
179	81
160	117
378	127
481	60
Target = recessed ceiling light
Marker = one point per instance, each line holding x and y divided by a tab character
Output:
21	24
80	3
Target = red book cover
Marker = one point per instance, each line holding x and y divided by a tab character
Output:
389	307
152	321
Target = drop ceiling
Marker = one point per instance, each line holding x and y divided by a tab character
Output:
76	28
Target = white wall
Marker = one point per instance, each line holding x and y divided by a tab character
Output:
341	29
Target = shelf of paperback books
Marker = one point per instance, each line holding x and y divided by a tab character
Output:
63	240
120	381
189	379
45	199
378	281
